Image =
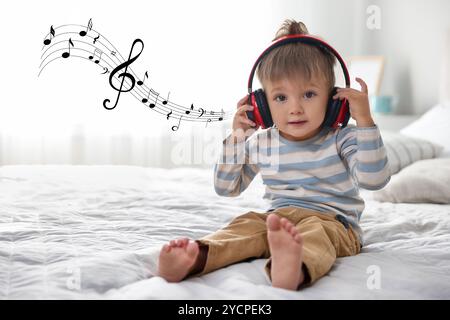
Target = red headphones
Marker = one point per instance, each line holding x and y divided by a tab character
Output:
337	114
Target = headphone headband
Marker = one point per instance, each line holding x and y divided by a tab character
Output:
294	38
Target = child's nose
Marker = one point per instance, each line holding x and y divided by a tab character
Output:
297	108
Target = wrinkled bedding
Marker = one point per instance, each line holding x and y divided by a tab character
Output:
94	232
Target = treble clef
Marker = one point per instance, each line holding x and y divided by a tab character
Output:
123	75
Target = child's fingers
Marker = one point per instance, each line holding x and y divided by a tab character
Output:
347	93
245	107
242	101
247	122
243	115
362	84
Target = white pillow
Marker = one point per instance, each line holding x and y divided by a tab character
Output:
426	181
434	126
403	150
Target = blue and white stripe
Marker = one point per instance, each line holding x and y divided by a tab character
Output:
323	173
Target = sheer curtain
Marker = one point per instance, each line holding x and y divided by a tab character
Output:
196	52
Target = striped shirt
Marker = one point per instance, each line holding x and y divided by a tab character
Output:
322	173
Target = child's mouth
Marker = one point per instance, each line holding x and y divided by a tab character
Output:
297	123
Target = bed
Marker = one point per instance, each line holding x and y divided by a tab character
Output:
94	232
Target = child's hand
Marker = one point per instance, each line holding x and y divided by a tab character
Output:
243	127
358	103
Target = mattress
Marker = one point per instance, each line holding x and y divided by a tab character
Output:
94	232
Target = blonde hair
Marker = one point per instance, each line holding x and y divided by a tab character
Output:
294	59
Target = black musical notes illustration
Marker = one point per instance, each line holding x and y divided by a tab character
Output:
145	100
175	128
52	35
124	75
189	111
88	28
152	105
81	42
67	53
165	101
140	83
97	53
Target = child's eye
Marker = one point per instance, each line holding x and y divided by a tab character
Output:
309	94
280	98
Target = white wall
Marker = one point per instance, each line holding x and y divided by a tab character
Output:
411	38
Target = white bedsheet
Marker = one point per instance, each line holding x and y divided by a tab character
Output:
80	232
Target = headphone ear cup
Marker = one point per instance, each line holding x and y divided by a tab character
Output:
333	108
263	107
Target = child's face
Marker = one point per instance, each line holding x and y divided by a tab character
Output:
297	106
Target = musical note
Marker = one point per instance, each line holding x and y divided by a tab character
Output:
168	115
140	83
221	118
52	34
98	53
175	128
96	38
113	53
207	121
165	101
202	112
88	28
189	111
67	54
124	74
152	105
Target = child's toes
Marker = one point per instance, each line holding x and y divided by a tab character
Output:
288	228
284	222
294	232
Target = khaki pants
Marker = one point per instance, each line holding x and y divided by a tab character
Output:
324	239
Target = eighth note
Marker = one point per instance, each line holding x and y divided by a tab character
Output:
152	105
67	54
192	108
88	28
52	33
98	53
140	83
145	100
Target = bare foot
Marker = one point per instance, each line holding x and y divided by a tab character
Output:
177	259
286	249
